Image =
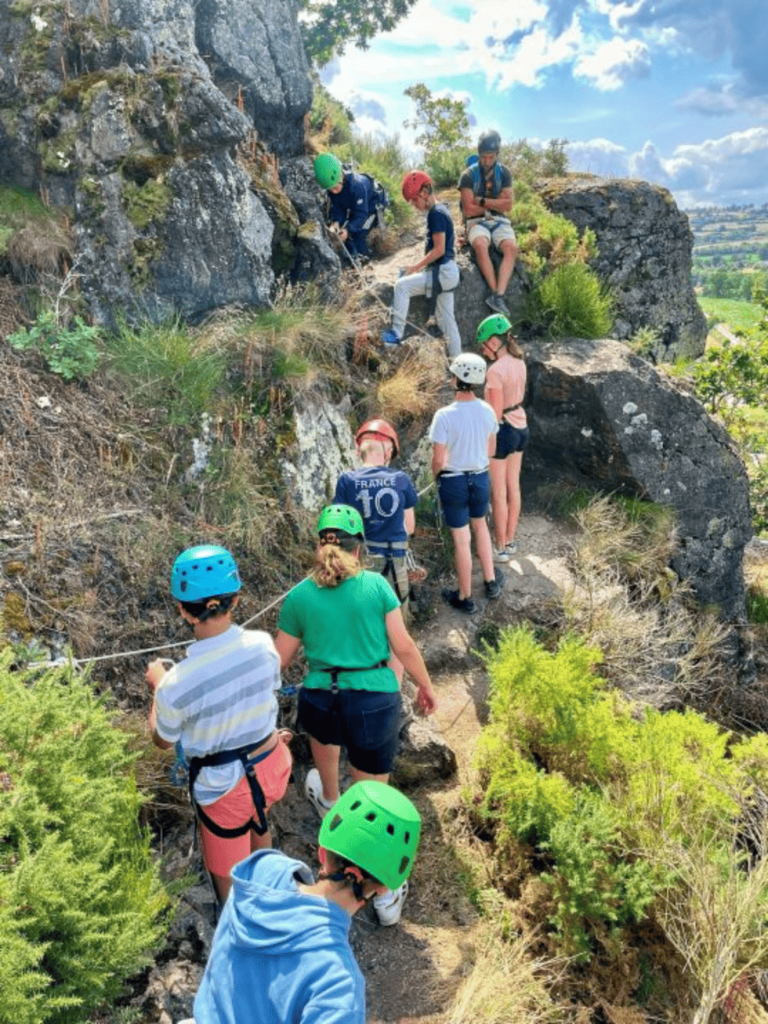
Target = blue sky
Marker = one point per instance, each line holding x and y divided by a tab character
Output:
673	91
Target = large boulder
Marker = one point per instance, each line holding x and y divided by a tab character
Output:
161	126
603	418
644	256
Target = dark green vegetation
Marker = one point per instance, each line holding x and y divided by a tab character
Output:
330	26
81	906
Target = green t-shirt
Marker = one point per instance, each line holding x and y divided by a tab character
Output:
343	625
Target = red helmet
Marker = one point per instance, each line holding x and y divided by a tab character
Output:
413	183
381	431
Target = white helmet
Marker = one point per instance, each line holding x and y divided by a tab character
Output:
468	367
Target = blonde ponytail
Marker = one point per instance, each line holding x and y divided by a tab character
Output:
335	563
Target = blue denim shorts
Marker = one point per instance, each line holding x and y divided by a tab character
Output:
366	722
464	496
510	439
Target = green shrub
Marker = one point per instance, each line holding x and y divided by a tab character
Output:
169	367
594	886
80	899
571	302
72	351
523	800
553	706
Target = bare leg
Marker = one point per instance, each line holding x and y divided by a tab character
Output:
484	263
222	886
357	775
463	559
508	254
326	758
514	500
498	472
484	548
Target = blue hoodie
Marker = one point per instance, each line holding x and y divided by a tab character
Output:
280	956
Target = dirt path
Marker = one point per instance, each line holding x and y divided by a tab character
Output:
410	969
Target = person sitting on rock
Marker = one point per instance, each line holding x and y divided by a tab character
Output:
486	199
281	950
354	203
436	275
386	499
463	437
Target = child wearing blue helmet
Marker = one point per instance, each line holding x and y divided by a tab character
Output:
220	704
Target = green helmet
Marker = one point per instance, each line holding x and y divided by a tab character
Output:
376	828
328	170
496	324
204	571
341	517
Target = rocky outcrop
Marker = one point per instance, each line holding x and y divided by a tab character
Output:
161	126
644	243
603	418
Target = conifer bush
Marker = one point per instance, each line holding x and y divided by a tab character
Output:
592	782
80	899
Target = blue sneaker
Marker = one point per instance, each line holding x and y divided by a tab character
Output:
391	338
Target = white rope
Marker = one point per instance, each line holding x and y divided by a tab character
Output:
145	650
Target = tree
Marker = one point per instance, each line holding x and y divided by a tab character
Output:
444	133
444	121
329	26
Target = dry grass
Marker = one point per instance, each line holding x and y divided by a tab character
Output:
40	249
12	314
657	645
714	911
505	983
414	388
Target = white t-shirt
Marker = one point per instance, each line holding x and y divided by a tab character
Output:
465	428
221	696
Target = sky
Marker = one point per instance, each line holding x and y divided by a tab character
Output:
671	91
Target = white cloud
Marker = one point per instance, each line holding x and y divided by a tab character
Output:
613	62
598	156
733	168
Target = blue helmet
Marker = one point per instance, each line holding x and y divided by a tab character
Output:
204	571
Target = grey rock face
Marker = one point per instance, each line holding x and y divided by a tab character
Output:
324	449
603	418
645	245
149	119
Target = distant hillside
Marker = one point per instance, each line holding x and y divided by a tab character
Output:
730	250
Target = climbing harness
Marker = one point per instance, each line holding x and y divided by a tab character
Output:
335	670
249	756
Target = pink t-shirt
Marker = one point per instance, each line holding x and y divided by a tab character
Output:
507	375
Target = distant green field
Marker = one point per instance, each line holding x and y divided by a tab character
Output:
732	312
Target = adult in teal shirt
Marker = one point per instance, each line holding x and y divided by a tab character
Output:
350	623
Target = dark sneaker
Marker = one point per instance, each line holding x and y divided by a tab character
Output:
493	587
497	304
461	604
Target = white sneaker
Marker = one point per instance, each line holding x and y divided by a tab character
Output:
389	906
313	788
501	554
511	548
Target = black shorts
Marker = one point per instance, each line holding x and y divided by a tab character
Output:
366	722
510	440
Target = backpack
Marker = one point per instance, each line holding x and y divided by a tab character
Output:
378	192
478	181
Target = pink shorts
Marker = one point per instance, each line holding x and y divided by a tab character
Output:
236	808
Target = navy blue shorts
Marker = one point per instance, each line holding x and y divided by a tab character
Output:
464	497
366	722
510	440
